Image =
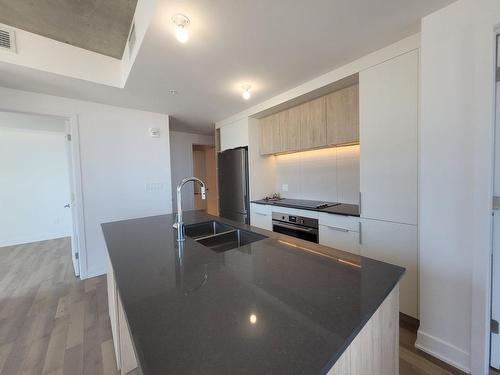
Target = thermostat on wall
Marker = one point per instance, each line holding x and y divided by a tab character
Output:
154	132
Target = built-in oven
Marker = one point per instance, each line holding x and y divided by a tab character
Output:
304	228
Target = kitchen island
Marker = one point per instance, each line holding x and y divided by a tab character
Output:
278	305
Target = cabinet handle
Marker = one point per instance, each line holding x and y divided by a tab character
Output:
259	213
337	228
360	234
359	203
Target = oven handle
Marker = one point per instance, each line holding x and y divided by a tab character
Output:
293	227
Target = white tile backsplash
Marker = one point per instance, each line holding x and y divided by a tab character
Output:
330	174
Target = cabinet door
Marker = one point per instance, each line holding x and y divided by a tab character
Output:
260	216
265	136
270	137
234	135
339	238
342	116
289	121
388	95
312	117
396	244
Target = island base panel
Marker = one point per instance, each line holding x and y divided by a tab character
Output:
375	350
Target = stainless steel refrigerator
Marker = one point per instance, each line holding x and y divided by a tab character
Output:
233	185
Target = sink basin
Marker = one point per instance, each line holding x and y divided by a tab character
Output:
206	229
221	237
230	240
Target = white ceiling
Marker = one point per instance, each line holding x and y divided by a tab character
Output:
273	45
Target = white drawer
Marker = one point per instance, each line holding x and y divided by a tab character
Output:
339	239
341	222
262	209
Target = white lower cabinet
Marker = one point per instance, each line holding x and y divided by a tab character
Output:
340	232
339	238
261	216
396	244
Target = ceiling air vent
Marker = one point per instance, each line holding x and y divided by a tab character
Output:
7	40
131	40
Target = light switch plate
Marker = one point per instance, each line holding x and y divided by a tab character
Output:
155	186
284	187
154	132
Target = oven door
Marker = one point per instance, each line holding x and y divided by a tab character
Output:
298	231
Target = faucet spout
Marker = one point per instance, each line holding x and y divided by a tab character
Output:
179	224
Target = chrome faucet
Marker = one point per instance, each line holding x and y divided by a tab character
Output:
179	224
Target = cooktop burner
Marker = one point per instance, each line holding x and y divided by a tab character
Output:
305	203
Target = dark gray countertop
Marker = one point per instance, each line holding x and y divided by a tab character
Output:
341	209
309	301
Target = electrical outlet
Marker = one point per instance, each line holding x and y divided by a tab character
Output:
284	187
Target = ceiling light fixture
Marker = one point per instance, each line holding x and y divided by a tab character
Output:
246	94
181	23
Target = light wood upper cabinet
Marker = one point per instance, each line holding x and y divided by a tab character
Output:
328	120
266	135
342	116
289	121
312	117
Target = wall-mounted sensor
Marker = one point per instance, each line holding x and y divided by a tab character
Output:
154	132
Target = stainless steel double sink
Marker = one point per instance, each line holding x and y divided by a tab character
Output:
220	237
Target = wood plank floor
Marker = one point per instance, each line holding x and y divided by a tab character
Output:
51	323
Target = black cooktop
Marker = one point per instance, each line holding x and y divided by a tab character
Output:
303	203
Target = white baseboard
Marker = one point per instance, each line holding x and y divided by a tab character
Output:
30	239
93	273
444	351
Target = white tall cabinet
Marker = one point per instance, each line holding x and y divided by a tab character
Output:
388	95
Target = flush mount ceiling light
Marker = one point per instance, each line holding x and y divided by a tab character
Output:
181	23
246	94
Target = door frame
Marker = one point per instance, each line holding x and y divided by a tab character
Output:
74	131
496	148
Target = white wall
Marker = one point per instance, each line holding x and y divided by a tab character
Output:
181	157
456	137
330	174
34	179
125	172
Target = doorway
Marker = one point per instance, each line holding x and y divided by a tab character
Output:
36	184
204	168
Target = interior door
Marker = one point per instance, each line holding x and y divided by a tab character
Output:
199	172
72	204
495	284
211	180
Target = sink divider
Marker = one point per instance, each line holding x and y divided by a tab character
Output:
216	234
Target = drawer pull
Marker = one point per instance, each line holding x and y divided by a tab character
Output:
260	213
338	229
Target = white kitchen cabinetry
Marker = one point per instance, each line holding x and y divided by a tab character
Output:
388	104
261	216
396	244
388	96
339	238
234	135
340	232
